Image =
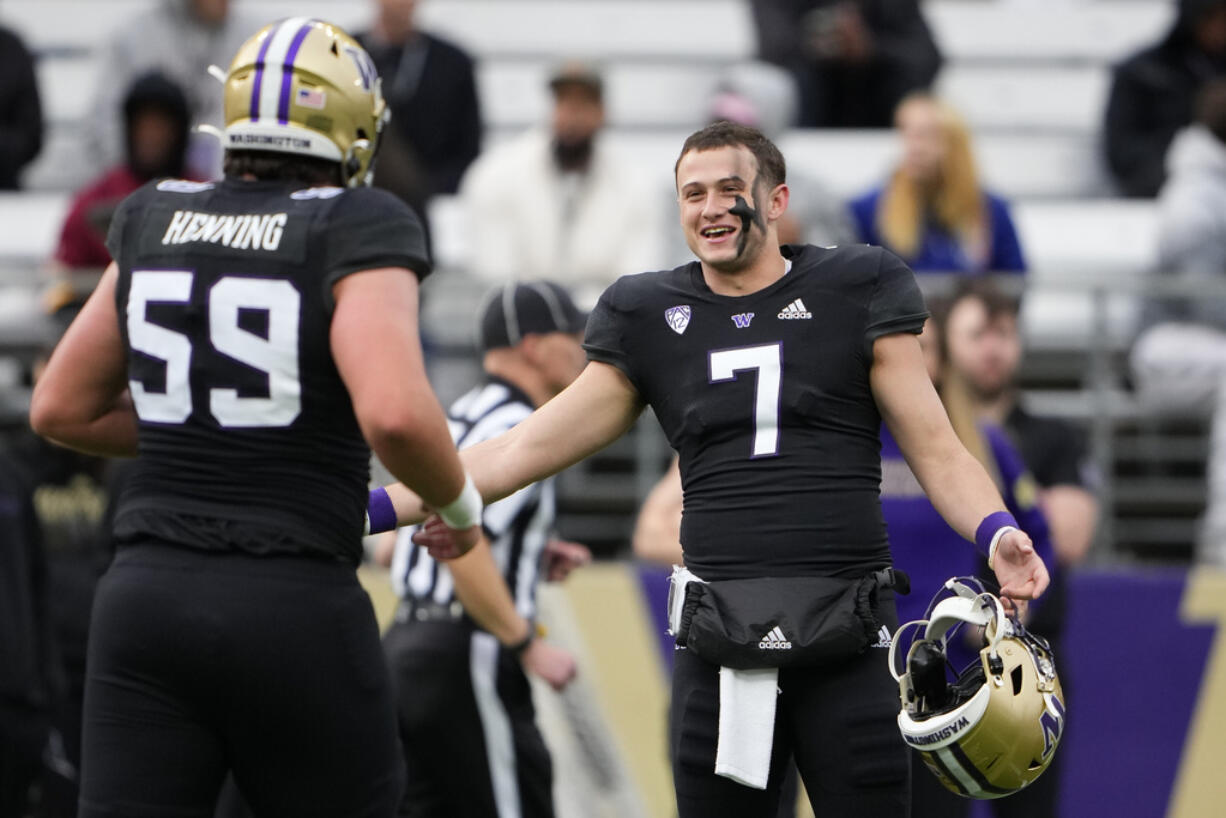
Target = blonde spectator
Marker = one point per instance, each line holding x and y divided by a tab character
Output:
933	211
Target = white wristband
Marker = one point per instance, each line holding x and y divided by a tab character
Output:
1000	532
464	511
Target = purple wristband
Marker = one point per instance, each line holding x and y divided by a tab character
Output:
983	534
380	510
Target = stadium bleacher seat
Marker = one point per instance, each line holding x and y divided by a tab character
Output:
1010	68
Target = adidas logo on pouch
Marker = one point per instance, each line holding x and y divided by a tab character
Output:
883	638
775	640
795	310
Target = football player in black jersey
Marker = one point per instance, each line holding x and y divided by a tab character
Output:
770	369
243	344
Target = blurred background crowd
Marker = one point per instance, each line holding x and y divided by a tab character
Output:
1069	155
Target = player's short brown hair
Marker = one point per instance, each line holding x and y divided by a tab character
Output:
771	167
270	166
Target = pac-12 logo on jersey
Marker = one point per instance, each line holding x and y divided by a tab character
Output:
678	317
742	319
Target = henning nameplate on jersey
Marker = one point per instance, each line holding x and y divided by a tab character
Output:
246	231
678	317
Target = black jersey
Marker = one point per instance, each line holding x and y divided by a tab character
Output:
766	398
248	438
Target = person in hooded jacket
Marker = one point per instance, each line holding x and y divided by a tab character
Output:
156	123
1153	92
1179	359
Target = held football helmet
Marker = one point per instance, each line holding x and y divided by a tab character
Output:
304	86
995	729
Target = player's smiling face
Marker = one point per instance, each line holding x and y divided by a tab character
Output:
721	234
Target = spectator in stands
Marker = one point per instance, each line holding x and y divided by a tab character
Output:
21	114
435	130
984	347
156	122
1179	359
561	203
933	211
180	39
983	350
1152	94
853	59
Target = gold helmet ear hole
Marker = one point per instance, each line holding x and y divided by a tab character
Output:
336	52
1016	677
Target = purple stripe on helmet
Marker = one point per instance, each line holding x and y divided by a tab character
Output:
287	74
259	74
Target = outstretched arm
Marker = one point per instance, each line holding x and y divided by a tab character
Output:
588	415
81	400
955	482
374	333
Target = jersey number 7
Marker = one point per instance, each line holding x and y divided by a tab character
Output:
276	355
767	359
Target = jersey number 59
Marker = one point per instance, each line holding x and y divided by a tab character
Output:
276	356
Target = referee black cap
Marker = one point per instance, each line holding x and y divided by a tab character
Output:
525	307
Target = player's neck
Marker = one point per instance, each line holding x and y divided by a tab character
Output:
767	268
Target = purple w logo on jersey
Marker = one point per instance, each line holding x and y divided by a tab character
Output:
742	319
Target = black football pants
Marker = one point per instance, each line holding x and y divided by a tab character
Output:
471	745
270	667
838	723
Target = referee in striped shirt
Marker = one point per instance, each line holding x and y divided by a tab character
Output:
463	634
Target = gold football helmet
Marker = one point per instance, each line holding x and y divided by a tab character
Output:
304	86
996	729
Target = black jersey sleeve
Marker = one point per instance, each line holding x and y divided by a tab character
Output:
370	228
897	304
606	338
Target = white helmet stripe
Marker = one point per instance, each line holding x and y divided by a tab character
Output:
965	780
279	42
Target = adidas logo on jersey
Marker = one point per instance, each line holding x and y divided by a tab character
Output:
795	310
884	640
775	640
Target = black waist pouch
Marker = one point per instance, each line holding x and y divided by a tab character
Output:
784	621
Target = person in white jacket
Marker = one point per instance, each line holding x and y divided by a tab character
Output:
1179	359
561	203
